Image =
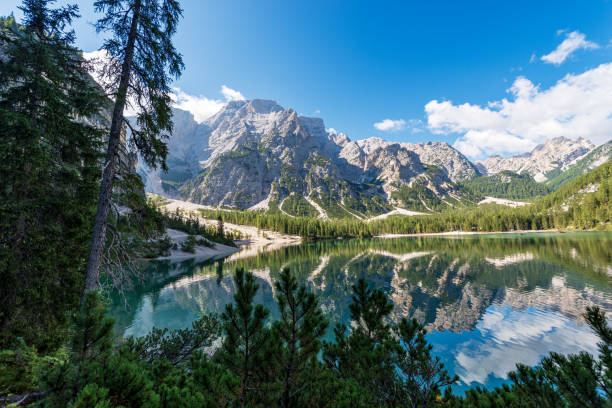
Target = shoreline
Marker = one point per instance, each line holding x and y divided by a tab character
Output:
257	240
464	233
253	241
201	253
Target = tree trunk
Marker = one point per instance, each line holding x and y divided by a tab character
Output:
106	187
25	399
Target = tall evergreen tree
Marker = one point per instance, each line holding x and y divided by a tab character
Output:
49	163
142	60
423	376
246	339
300	329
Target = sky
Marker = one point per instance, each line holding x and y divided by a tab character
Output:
488	77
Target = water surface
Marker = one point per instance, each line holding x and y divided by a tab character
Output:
488	301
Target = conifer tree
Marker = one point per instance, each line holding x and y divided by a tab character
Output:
369	310
300	327
423	376
246	338
367	355
142	60
49	161
95	373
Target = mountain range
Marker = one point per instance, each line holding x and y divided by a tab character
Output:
257	155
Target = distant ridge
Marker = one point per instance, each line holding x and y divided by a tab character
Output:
255	154
550	157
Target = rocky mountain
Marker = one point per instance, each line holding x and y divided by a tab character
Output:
256	154
581	166
543	162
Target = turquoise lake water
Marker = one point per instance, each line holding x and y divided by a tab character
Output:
488	301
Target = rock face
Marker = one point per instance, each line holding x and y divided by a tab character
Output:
582	165
256	153
543	162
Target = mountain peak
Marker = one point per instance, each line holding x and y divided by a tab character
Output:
552	155
263	106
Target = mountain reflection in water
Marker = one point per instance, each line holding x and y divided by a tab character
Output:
488	301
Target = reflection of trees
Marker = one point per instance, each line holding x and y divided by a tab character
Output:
446	283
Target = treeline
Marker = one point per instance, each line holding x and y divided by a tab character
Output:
239	359
191	225
507	184
582	204
143	230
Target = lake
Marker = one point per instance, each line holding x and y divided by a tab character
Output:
487	301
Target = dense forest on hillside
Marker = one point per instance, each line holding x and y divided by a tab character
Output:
582	204
584	165
507	184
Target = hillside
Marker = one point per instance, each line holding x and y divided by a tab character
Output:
585	203
257	155
507	184
596	157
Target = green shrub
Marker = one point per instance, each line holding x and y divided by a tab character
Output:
188	245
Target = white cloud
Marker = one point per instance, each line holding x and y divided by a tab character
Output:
390	125
505	336
231	94
200	106
415	125
576	106
573	42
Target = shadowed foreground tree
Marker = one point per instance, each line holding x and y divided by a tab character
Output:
49	162
141	62
246	339
392	361
299	329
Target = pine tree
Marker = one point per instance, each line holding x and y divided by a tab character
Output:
49	161
301	326
369	310
423	376
142	60
220	227
246	339
367	355
95	373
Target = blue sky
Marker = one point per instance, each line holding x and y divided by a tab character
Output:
356	64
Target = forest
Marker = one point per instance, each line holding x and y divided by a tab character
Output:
573	206
507	184
70	220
